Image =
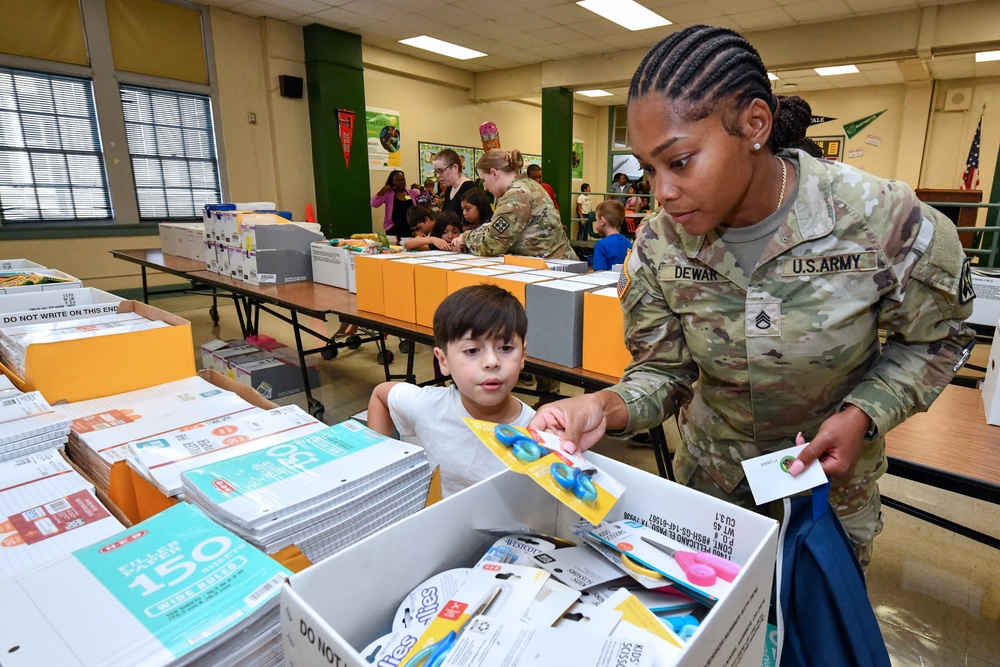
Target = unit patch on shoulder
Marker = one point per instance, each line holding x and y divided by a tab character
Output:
623	280
501	226
965	291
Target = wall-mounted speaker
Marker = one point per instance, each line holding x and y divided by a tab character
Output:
290	86
958	99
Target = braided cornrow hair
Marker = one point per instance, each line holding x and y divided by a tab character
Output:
702	66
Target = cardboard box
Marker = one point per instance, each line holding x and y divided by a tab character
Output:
78	370
399	291
604	348
515	283
271	377
599	278
18	265
991	397
68	281
986	306
329	264
368	278
19	309
468	277
483	261
568	265
431	287
332	610
556	301
278	253
183	239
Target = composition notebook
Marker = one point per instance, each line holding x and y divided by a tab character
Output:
176	589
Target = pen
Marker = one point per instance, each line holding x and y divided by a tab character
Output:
964	356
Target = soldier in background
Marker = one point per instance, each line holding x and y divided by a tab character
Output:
753	302
524	222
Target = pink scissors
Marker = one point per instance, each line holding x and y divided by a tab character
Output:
700	568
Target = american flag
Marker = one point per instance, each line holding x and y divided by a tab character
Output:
970	179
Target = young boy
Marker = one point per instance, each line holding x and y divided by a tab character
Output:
613	247
421	221
479	340
584	211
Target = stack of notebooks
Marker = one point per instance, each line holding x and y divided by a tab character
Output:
47	510
162	458
14	341
176	589
103	427
28	423
320	492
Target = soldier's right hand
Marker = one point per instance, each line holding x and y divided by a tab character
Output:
578	421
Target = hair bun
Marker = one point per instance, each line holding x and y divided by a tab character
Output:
790	123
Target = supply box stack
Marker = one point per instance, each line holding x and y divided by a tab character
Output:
256	244
273	372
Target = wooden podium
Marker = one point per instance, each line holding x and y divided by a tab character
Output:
962	216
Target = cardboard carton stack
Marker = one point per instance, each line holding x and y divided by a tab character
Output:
28	423
319	492
50	510
174	590
273	372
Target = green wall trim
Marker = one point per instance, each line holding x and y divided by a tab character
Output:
335	80
557	147
43	231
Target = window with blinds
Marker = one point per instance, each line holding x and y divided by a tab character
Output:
51	163
172	143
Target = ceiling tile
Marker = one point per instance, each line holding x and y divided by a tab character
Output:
566	14
879	6
554	51
255	8
342	17
599	28
742	6
557	35
817	10
224	4
764	18
300	6
491	29
691	13
526	21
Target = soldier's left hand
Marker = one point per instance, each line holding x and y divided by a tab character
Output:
837	445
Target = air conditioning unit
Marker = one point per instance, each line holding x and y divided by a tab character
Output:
958	99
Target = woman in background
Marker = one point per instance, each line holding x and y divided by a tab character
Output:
397	199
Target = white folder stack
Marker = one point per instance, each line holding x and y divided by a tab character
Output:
102	427
162	458
319	492
14	341
28	423
49	510
176	589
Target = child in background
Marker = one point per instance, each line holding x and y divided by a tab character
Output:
479	337
476	209
613	246
447	225
422	223
584	211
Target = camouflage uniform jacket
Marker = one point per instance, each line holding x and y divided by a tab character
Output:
751	362
524	222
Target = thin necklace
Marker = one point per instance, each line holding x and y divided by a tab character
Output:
784	177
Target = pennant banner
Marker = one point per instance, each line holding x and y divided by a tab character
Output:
816	120
852	128
345	125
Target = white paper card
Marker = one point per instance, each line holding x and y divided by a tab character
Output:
769	478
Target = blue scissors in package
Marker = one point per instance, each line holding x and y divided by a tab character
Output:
527	450
435	654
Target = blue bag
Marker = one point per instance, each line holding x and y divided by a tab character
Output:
824	617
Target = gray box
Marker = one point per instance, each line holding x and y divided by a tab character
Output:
279	254
274	378
556	301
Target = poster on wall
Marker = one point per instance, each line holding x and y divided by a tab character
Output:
576	159
384	147
531	159
832	147
428	151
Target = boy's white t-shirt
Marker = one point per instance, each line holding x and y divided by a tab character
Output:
585	204
432	417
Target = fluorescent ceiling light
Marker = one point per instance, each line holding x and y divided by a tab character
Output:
594	93
444	48
987	56
625	13
772	77
839	69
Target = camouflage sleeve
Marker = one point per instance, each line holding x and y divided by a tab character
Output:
924	321
510	217
660	377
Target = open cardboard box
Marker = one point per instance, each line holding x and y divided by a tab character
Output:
335	608
86	368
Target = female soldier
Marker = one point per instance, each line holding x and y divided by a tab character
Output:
524	222
753	302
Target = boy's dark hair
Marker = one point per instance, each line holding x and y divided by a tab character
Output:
481	311
584	186
613	211
416	215
701	66
533	169
442	220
